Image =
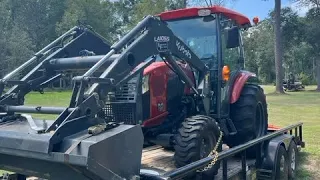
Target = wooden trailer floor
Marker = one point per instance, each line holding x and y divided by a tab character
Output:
161	160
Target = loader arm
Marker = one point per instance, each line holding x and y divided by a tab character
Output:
78	140
150	38
132	54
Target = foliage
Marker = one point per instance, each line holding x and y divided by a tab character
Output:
260	56
96	13
298	51
27	27
306	79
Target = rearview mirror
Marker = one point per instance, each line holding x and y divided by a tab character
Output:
232	37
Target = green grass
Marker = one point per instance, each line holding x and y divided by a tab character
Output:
56	99
303	106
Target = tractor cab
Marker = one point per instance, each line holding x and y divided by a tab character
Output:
209	32
213	34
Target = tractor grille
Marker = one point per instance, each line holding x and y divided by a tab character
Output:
120	112
127	92
122	108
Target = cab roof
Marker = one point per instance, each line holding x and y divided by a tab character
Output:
193	12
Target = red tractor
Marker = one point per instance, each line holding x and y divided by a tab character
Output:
178	78
236	105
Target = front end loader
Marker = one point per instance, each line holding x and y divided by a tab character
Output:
78	143
159	84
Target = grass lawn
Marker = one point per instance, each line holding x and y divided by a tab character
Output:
303	106
284	110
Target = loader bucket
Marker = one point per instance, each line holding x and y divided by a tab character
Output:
112	154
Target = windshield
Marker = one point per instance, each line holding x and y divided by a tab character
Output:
198	33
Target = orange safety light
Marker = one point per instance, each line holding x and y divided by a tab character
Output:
226	73
255	20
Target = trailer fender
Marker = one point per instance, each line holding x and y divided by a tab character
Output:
271	151
241	78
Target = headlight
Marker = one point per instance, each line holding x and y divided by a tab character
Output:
145	84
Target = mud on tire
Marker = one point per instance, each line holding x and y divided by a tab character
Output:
195	139
249	115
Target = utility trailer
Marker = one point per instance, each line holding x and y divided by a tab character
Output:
157	162
274	162
167	82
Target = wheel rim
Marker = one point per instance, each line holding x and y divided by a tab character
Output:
293	160
282	168
206	145
204	148
259	120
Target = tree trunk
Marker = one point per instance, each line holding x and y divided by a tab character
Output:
184	4
318	74
278	47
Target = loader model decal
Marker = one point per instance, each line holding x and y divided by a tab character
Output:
162	43
182	49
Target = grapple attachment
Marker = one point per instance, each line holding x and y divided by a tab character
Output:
106	151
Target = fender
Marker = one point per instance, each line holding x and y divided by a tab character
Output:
241	78
271	151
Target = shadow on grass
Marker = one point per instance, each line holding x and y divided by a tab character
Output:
303	173
313	90
277	94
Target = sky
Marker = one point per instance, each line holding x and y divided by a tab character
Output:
260	8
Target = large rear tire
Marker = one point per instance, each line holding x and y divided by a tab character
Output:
249	115
196	138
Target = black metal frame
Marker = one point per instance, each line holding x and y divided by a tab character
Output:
225	155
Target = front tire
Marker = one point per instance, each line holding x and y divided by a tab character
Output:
196	138
249	115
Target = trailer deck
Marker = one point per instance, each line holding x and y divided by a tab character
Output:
158	159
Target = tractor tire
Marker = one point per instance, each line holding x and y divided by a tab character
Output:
250	117
196	138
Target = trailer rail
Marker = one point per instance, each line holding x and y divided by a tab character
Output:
223	156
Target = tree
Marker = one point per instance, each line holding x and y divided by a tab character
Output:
15	43
259	51
313	38
209	2
315	3
278	47
149	7
124	12
37	18
98	14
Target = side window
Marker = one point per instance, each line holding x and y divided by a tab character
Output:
230	56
